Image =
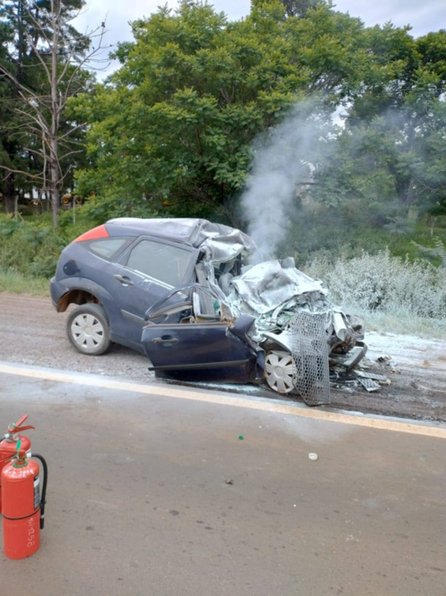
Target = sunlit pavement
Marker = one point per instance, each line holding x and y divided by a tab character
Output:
167	490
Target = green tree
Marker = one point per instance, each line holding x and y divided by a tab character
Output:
390	157
300	8
172	130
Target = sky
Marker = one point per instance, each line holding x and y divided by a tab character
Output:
423	16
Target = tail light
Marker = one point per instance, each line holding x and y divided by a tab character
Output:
94	234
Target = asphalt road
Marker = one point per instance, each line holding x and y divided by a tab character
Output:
168	490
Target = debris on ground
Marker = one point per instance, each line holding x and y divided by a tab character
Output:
361	377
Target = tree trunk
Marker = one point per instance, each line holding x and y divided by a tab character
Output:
55	177
54	184
9	193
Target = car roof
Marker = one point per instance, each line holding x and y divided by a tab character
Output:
179	229
190	231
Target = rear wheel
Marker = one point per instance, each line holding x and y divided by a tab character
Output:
88	329
280	371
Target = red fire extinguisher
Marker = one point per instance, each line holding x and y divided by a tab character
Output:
23	506
8	445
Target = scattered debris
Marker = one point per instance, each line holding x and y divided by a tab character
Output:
360	377
368	384
381	379
384	358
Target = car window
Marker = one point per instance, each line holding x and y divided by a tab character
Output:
164	262
106	247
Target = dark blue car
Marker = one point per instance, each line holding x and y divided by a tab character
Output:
174	290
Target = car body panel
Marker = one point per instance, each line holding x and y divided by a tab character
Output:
124	292
194	345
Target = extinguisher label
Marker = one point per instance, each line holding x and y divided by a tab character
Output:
36	492
31	538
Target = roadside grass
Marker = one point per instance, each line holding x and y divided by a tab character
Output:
403	323
17	283
391	294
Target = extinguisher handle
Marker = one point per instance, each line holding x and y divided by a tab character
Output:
20	421
19	429
18	426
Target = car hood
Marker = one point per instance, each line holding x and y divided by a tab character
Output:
276	292
265	286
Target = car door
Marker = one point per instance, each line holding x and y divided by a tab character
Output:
178	346
200	339
148	270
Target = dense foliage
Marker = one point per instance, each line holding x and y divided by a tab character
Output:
175	131
172	131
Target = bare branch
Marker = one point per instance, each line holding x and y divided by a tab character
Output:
71	131
14	80
88	58
70	153
40	112
37	118
22	172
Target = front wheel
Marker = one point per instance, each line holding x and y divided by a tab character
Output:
88	329
280	371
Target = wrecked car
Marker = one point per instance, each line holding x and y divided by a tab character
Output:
180	291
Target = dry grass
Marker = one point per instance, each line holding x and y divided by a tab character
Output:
16	283
389	293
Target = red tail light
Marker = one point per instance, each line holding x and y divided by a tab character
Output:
94	234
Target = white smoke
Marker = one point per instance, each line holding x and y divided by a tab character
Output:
283	163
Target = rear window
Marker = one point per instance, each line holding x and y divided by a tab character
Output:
163	262
107	247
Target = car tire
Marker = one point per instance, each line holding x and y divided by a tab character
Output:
280	371
88	329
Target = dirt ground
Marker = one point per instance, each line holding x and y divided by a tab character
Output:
31	332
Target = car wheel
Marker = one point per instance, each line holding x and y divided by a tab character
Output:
280	371
88	329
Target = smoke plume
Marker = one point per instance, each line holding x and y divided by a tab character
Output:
283	163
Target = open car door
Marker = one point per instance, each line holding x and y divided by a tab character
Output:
193	332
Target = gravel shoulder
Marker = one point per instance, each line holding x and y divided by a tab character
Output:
31	332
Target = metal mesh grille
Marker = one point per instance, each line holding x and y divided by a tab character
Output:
310	353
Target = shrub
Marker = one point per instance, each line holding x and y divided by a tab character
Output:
383	283
29	247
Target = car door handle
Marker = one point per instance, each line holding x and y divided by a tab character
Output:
166	339
123	279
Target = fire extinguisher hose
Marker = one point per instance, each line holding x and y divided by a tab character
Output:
45	481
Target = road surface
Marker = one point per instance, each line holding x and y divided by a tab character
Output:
171	490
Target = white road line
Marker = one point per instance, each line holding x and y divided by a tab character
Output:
435	430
